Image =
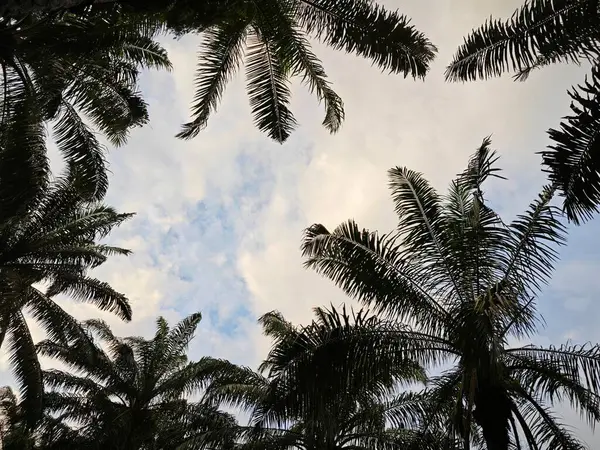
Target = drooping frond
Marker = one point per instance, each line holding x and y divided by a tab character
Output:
294	50
236	386
541	30
218	60
81	148
573	161
24	167
552	380
369	30
543	428
268	88
92	290
580	362
25	367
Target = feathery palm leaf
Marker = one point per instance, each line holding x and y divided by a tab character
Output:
540	33
308	394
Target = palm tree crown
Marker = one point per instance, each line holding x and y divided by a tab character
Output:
308	394
540	33
48	243
461	284
73	69
130	393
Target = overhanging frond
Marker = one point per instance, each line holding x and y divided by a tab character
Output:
218	59
540	29
268	88
369	30
573	161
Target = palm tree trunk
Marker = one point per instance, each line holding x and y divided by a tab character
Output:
492	413
20	8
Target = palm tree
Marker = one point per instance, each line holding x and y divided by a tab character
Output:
307	394
274	36
14	433
540	33
74	69
48	242
17	434
461	284
130	393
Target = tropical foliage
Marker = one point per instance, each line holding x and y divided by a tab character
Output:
540	33
130	393
49	240
462	286
308	394
75	70
274	36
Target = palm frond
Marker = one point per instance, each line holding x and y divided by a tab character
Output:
26	367
24	167
531	246
552	381
276	326
545	428
421	226
369	30
580	362
572	161
370	268
92	290
557	29
218	60
294	50
81	148
182	333
268	89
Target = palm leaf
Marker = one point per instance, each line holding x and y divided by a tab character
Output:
268	89
92	290
24	167
369	30
81	148
294	51
26	367
555	29
219	58
421	225
573	161
552	381
546	429
369	267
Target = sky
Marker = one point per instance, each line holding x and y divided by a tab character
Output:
220	218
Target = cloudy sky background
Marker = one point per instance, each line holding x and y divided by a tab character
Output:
219	218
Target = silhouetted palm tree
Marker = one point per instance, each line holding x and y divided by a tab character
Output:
463	283
130	393
48	242
308	394
540	33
